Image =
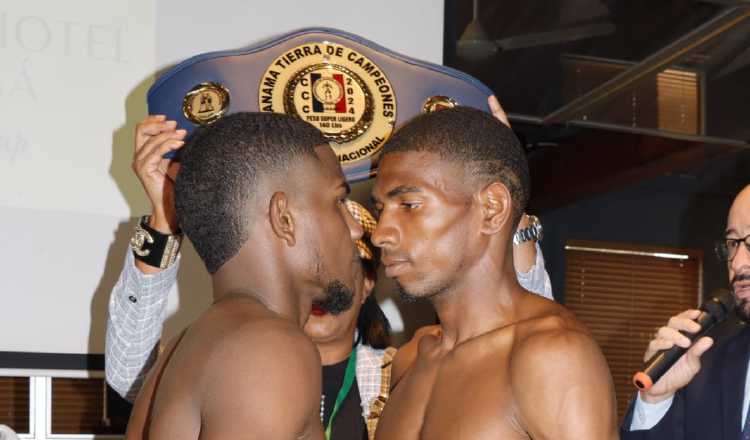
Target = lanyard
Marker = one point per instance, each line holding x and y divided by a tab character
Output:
351	368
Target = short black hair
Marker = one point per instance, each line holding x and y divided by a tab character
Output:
488	149
221	166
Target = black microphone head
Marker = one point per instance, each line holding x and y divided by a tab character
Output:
719	304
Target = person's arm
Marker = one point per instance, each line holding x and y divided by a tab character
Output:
266	384
528	262
138	301
563	387
535	279
645	421
137	309
647	415
652	406
685	369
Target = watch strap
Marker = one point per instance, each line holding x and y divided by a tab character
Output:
531	232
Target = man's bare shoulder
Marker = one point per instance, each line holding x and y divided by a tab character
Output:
551	339
421	335
539	314
242	321
238	339
549	330
558	374
407	353
256	368
261	340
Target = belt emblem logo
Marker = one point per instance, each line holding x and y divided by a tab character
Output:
338	90
205	103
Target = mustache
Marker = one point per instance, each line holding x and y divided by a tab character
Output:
338	298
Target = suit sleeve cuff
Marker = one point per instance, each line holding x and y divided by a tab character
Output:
647	415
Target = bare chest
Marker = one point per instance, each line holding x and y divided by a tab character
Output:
472	399
465	394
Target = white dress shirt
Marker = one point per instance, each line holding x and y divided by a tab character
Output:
647	415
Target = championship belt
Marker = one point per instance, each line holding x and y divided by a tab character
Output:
355	91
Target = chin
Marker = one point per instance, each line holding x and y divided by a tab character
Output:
318	327
414	293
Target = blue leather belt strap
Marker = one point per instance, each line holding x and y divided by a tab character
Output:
360	69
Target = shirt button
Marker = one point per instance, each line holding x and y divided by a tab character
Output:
132	299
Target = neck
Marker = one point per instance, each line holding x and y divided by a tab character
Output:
264	281
333	352
484	299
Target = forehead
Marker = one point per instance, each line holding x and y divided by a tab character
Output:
739	215
424	170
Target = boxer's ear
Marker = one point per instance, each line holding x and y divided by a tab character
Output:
497	207
281	218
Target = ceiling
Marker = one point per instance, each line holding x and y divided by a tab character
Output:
606	93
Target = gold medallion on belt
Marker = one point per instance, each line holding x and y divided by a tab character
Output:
205	103
336	89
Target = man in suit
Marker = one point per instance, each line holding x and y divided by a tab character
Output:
703	396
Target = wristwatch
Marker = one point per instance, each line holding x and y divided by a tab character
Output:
154	248
531	232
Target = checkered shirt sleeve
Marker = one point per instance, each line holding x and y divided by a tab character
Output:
536	280
137	309
369	369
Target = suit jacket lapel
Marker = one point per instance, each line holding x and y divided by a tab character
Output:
733	365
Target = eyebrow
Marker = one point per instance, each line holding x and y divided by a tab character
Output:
403	190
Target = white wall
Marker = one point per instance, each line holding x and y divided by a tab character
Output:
73	78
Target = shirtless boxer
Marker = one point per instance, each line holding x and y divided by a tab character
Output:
262	198
503	364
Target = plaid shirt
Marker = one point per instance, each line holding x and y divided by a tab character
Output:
137	310
369	375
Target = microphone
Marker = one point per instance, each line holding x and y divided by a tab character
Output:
713	311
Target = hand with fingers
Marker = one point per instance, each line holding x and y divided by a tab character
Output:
685	369
154	137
